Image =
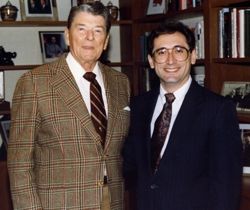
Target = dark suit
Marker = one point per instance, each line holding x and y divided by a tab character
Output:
201	167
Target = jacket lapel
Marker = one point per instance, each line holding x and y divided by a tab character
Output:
112	94
65	86
188	110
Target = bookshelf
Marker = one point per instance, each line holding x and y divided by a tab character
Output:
217	70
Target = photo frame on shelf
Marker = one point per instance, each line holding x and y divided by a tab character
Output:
5	130
38	10
157	7
245	137
2	95
52	44
239	92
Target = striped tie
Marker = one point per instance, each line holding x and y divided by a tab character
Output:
98	114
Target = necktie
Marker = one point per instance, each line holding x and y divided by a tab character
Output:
98	114
160	131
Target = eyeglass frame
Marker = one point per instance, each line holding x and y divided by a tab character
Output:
168	49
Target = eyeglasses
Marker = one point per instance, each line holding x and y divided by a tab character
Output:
179	53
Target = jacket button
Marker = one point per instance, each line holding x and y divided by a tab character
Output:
153	186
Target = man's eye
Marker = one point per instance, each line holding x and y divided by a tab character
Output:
179	50
98	31
81	29
161	52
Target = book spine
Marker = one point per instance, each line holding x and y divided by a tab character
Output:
247	32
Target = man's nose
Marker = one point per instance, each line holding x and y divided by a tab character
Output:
89	34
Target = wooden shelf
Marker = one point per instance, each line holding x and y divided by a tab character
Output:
242	61
27	67
50	23
224	3
31	23
17	67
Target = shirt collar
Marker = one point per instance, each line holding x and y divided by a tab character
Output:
179	94
77	70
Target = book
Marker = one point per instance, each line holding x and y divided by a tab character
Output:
199	39
241	15
247	33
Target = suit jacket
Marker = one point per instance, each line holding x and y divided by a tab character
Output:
55	158
201	167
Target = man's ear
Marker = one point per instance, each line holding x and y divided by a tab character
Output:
193	56
151	62
66	36
106	42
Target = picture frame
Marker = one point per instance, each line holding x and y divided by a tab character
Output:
157	7
245	137
2	89
52	44
239	92
5	129
38	10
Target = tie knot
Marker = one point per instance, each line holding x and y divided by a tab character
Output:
90	76
170	98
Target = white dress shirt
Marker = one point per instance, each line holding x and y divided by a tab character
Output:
84	86
176	105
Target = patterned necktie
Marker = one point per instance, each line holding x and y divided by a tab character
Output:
160	131
98	114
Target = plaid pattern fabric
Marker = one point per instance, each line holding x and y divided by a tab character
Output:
55	156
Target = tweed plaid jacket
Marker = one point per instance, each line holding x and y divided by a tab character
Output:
55	158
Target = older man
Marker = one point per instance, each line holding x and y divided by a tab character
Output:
67	131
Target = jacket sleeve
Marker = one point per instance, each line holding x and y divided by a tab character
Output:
225	159
24	123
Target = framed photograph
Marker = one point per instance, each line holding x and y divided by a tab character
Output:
245	137
156	7
5	130
239	92
52	45
38	9
78	2
2	86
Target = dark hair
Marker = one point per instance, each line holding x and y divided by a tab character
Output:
95	8
171	27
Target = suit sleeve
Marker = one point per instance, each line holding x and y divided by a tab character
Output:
24	123
225	159
129	155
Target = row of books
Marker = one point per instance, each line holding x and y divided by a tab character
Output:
234	32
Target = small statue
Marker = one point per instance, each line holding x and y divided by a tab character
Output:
5	57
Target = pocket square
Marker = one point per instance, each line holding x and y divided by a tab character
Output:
126	108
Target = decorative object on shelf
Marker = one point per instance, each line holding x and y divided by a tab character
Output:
38	10
52	45
8	12
4	129
245	136
5	57
2	92
239	92
113	10
157	7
